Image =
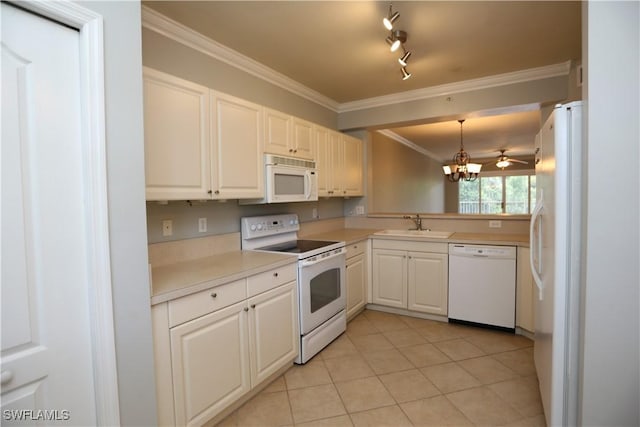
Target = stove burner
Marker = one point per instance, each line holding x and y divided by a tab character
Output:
297	246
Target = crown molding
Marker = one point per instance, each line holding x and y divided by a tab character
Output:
531	74
404	141
167	27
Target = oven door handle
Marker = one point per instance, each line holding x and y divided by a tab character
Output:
316	259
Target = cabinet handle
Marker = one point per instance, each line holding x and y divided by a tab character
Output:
253	306
295	151
6	377
291	150
213	295
217	192
355	246
275	274
246	309
209	192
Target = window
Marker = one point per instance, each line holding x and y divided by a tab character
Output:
498	193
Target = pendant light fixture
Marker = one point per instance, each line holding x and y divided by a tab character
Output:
397	39
462	167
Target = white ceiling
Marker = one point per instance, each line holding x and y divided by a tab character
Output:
338	49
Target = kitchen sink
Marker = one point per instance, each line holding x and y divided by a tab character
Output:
416	233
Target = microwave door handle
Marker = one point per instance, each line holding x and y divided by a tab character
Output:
307	185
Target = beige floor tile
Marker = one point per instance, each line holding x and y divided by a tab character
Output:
373	342
459	349
424	355
266	409
276	385
521	393
519	361
315	403
498	342
450	377
341	421
487	369
348	368
340	347
385	322
312	373
483	407
391	416
404	337
363	394
434	411
410	385
361	326
385	361
439	331
535	421
416	322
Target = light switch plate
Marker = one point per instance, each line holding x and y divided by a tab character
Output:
495	224
202	225
167	227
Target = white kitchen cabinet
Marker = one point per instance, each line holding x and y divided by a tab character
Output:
273	331
176	138
210	359
213	347
525	292
200	144
287	135
356	277
339	164
236	154
410	275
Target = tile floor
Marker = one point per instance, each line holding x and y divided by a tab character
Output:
391	370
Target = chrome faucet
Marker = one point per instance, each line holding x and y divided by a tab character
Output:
417	220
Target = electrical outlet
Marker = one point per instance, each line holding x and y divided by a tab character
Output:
314	213
167	227
495	224
202	225
359	210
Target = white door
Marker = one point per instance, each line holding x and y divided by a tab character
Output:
46	347
427	282
390	278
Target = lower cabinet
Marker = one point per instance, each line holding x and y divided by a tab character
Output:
356	277
215	359
410	275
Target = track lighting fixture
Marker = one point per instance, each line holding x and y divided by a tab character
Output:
396	39
390	19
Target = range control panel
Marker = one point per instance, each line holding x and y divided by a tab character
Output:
261	226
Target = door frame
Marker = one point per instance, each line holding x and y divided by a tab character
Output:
94	175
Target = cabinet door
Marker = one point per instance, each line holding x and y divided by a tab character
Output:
176	138
210	364
323	161
428	282
273	331
236	155
277	133
356	276
525	298
303	139
389	278
336	160
353	167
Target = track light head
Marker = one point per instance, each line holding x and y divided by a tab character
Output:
403	60
405	74
397	38
390	19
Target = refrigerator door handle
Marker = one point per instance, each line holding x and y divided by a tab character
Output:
535	253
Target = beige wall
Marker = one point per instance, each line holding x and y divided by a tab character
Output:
403	180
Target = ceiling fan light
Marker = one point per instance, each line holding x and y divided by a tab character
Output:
405	74
403	60
389	20
503	163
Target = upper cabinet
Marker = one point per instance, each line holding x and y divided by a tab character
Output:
176	138
199	144
287	135
339	160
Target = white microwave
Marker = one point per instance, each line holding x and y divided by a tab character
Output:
288	180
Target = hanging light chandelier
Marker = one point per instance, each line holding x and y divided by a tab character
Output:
462	167
397	39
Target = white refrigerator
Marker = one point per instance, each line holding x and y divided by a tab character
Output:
556	253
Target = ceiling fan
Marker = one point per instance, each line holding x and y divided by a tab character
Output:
505	161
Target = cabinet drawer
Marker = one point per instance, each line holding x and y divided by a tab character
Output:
356	248
201	303
262	282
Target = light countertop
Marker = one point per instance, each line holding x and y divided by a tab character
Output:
176	280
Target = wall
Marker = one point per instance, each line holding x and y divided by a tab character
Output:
403	180
610	380
127	231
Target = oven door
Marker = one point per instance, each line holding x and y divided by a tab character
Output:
322	289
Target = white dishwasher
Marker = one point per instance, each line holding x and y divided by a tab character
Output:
482	285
